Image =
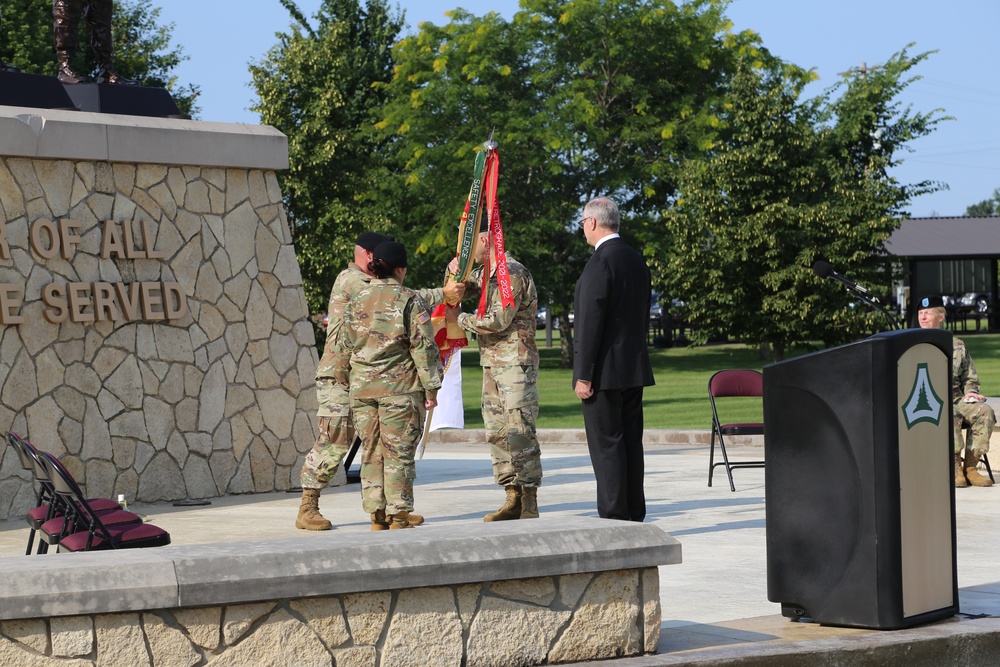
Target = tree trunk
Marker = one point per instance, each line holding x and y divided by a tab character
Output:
771	352
565	341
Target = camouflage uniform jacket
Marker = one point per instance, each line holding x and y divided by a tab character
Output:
346	288
963	372
506	335
386	344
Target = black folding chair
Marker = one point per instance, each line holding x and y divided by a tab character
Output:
86	529
966	429
44	507
729	384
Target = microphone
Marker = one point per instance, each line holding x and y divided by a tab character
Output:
825	270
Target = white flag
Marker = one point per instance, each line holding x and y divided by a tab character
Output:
450	411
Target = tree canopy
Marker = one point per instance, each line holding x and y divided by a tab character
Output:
317	86
728	181
791	182
143	48
986	207
594	97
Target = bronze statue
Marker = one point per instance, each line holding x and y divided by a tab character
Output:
97	14
4	67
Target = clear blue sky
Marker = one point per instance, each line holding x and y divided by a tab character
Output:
222	36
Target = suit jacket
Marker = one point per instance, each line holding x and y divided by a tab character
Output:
611	309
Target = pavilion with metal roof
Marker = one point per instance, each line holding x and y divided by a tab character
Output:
951	256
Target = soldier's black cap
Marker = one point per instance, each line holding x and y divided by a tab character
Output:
930	302
369	240
392	253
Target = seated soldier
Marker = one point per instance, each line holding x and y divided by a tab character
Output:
970	408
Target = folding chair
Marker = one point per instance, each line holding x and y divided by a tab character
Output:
63	516
91	530
48	506
728	384
985	459
44	508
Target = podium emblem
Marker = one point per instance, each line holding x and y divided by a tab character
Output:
923	403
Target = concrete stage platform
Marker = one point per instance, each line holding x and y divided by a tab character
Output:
715	607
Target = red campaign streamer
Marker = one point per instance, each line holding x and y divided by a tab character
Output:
491	178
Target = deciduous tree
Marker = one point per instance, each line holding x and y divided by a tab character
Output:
593	97
791	182
986	207
317	85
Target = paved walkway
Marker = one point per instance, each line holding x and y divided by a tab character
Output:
714	604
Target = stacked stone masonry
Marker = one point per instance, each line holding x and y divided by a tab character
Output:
217	402
521	622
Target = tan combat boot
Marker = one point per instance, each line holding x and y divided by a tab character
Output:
971	471
413	519
309	517
960	481
379	522
529	502
511	509
399	520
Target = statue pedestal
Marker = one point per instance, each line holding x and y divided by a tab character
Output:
128	100
33	90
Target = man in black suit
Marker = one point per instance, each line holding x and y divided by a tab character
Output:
610	361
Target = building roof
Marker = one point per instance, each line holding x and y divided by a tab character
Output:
946	237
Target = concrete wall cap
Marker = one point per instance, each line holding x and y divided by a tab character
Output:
86	583
427	556
77	135
322	564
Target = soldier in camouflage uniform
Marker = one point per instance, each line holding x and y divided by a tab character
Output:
336	428
385	350
509	357
970	409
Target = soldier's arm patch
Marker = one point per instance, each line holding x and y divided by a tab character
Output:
423	317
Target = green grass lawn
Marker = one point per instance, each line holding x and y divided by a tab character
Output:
680	398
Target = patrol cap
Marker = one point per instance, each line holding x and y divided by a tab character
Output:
930	302
369	240
392	253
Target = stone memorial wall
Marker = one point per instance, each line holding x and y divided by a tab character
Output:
154	333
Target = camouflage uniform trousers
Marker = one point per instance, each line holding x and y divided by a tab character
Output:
980	420
336	435
390	428
510	410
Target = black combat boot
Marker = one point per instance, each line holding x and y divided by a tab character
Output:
98	15
66	20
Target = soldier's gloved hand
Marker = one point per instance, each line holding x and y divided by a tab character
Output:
453	292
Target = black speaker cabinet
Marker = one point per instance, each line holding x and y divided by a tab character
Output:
129	100
18	89
860	498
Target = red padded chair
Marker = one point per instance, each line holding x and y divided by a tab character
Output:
48	506
91	530
729	384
